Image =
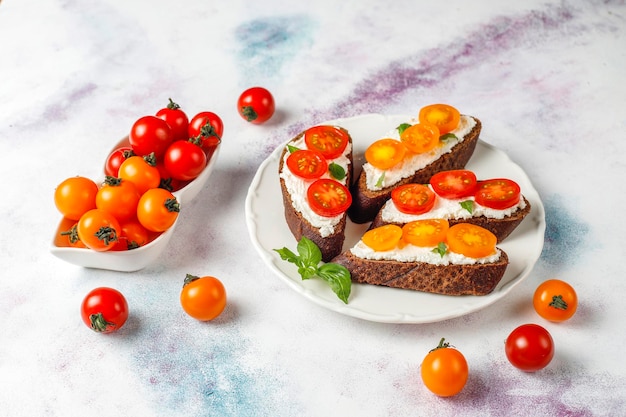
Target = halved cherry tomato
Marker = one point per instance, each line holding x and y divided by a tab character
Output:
75	196
555	300
471	240
157	210
425	233
498	193
141	171
115	159
444	116
444	370
119	197
413	198
330	141
454	184
98	230
383	238
328	198
176	119
421	137
385	153
307	164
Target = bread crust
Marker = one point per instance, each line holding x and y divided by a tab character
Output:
366	203
501	228
476	279
331	245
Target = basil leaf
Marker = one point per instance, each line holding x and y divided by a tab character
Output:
468	205
441	249
292	148
381	180
338	278
337	171
310	256
287	255
447	136
403	127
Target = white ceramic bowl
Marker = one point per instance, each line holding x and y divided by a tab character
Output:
135	259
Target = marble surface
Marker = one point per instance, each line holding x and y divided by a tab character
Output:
545	77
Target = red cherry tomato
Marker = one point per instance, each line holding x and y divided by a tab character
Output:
115	159
209	127
176	119
150	134
104	310
307	164
184	160
413	198
529	347
328	198
498	193
133	236
330	141
454	184
256	105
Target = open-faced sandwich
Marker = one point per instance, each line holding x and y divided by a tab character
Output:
441	139
428	255
496	204
315	169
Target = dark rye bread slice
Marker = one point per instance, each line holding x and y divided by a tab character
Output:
366	203
331	245
476	279
502	228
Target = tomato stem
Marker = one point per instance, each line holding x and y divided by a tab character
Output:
112	181
558	302
98	322
189	279
72	234
172	106
172	205
249	113
442	344
106	234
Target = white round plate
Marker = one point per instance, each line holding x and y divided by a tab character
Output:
268	231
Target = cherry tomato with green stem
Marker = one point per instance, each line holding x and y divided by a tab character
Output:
444	370
176	118
119	197
256	105
207	126
104	310
203	298
141	171
157	210
150	134
115	159
555	300
98	230
184	160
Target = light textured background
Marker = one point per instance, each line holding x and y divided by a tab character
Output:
545	77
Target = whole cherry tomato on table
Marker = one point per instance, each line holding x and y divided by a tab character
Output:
104	310
555	300
157	210
176	119
203	298
150	134
444	370
98	230
256	105
529	347
184	160
75	196
209	127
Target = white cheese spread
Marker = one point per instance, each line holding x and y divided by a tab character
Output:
412	253
415	162
297	188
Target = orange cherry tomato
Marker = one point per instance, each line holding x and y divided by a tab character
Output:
454	184
307	164
203	298
98	230
444	370
498	193
444	116
330	141
425	233
471	240
75	196
413	198
385	153
157	209
71	237
328	198
555	300
133	236
420	137
141	171
119	197
383	238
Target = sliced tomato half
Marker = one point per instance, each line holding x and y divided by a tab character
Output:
454	184
307	164
385	153
330	141
413	198
328	198
497	193
471	240
444	116
421	137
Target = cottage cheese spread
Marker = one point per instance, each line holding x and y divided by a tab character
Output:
448	209
297	188
412	253
417	161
